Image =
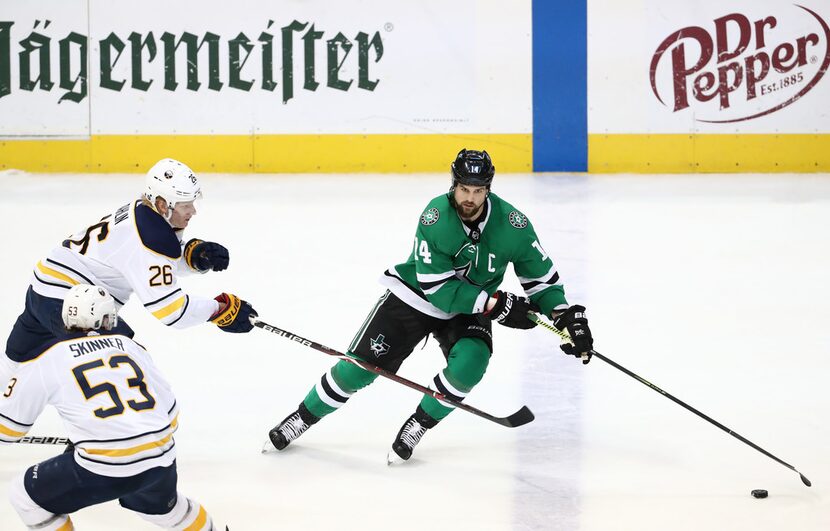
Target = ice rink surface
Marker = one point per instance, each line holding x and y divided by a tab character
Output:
712	287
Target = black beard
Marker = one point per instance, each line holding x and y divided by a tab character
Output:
473	215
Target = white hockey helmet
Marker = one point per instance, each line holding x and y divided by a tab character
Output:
172	181
89	307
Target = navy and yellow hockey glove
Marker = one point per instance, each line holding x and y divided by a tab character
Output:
511	310
234	314
574	321
203	256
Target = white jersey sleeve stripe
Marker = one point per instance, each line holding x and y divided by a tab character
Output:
8	432
170	308
11	421
430	291
544	278
536	289
147	305
481	302
12	428
56	274
533	286
184	310
435	277
66	267
40	283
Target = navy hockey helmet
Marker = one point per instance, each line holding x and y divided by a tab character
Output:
473	168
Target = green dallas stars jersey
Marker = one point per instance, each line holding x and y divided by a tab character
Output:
448	274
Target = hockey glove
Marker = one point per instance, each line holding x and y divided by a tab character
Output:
203	256
511	310
574	321
234	314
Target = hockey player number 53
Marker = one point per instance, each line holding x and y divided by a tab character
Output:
107	387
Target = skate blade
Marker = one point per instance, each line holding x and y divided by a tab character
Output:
268	447
393	459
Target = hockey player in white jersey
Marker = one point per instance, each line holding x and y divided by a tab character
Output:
138	249
119	410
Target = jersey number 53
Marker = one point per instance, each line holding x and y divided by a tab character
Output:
117	408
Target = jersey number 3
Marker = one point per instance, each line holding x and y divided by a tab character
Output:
107	387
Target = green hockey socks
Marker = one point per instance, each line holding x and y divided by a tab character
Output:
336	387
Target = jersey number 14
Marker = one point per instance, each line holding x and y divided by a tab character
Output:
421	248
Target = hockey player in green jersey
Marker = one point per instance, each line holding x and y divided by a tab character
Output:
448	288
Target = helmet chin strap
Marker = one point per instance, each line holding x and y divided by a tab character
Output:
169	215
109	322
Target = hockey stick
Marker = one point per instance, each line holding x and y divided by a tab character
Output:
42	439
564	335
519	418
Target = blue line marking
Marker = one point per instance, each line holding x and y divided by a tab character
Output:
560	82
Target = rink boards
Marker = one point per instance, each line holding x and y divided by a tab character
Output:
369	86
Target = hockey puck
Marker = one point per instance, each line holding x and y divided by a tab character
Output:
759	493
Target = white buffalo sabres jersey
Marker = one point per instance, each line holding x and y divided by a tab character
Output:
117	407
131	250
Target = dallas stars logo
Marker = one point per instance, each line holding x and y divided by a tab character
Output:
430	216
378	346
517	219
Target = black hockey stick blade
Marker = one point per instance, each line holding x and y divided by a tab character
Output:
519	418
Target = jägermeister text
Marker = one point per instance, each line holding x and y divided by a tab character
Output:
298	42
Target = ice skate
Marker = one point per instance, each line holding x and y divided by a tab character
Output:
288	430
408	437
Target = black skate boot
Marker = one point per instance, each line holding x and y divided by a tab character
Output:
289	429
409	436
